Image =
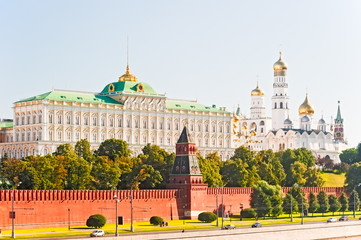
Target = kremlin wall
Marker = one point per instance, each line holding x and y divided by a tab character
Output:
185	198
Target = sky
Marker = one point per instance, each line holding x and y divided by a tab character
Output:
207	50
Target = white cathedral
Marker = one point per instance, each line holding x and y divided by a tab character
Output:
259	132
134	112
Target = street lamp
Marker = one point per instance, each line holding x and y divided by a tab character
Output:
222	208
296	185
116	214
354	200
217	204
131	213
12	214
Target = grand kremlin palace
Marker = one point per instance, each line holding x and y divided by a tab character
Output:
132	111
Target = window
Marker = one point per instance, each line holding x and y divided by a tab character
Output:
261	130
40	117
22	120
206	127
128	123
17	137
103	122
119	122
94	121
77	136
86	120
39	136
77	120
144	139
227	128
206	142
34	136
220	128
213	142
161	125
59	119
276	104
168	140
192	126
103	137
153	140
68	119
50	135
168	125
176	126
17	121
281	105
94	137
199	127
68	136
22	136
161	140
28	120
111	122
144	123
34	119
59	136
213	128
153	125
136	123
28	137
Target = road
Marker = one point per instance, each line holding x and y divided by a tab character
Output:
338	230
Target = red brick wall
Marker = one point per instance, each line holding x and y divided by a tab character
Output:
39	209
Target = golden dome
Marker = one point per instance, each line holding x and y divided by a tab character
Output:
257	91
306	108
280	65
127	76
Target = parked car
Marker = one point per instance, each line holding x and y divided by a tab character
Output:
343	218
97	233
359	218
332	219
229	226
257	225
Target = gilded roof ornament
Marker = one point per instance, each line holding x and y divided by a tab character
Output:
127	76
306	108
257	91
280	65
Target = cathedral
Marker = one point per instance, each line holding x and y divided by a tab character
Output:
259	132
133	111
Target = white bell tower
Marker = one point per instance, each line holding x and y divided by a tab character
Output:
280	99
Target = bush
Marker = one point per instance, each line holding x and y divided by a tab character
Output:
248	213
96	221
207	217
155	220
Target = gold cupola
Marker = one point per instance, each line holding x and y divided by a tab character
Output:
280	65
257	91
127	76
306	108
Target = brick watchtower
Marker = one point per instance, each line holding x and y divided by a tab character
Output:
187	176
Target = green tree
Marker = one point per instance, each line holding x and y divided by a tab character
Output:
349	156
82	149
335	205
210	169
344	202
353	178
313	203
300	197
298	170
105	173
270	168
287	204
113	148
354	204
323	202
65	150
78	174
160	160
266	199
313	177
10	170
234	173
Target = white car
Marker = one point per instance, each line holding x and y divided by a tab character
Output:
97	233
332	219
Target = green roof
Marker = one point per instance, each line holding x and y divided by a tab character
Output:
6	124
129	86
56	95
192	106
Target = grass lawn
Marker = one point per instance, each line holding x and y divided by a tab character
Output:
173	225
333	179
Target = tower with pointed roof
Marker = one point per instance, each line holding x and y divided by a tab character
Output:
280	99
187	177
258	109
338	128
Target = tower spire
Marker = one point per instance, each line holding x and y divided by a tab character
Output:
338	117
127	55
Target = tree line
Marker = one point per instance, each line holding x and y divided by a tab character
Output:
268	200
112	166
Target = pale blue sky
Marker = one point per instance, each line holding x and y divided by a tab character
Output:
209	50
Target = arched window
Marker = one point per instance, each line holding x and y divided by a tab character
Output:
136	123
119	122
281	104
275	105
111	122
144	123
